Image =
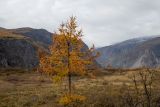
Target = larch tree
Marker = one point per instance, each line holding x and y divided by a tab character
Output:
67	57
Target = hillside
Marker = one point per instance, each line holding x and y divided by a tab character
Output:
17	51
132	53
38	35
19	46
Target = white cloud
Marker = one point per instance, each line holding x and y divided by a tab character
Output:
104	21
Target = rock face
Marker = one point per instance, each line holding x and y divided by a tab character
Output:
17	53
18	47
132	53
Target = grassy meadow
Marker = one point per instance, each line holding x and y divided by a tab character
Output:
112	89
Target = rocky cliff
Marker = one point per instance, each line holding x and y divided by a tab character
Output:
20	51
18	47
132	53
17	53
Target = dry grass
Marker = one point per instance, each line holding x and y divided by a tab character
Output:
31	89
25	90
4	34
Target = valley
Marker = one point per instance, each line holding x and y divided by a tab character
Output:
121	76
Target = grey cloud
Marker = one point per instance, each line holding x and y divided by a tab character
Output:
104	21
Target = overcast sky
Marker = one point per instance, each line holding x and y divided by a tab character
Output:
104	22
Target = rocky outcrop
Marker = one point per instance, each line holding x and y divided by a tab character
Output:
18	47
17	53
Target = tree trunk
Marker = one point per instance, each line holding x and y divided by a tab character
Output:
69	83
69	71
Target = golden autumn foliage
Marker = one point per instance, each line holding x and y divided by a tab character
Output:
73	98
67	55
66	52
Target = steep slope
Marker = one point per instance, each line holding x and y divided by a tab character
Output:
41	36
18	47
17	51
131	53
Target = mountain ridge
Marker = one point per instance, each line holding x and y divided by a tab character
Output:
18	50
19	47
132	53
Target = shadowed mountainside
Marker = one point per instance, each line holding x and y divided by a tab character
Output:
17	51
18	47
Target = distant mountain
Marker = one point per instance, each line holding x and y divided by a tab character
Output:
17	51
18	47
1	28
41	36
132	53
